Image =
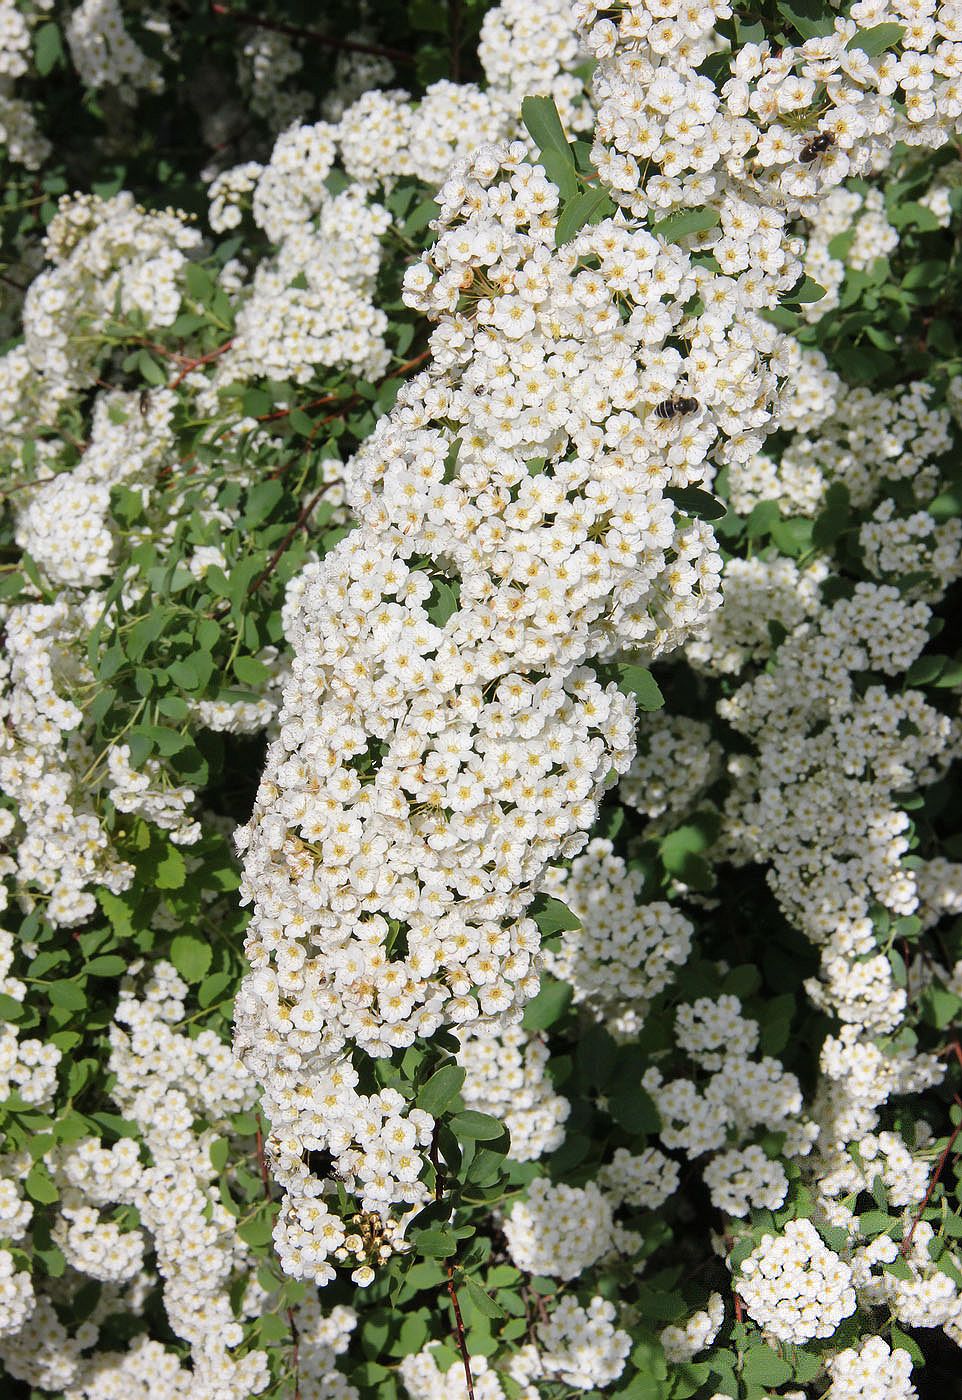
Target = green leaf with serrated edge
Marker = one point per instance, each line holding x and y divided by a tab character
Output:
435	1243
171	871
765	1367
191	957
443	602
485	1304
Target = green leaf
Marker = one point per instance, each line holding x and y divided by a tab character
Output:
941	1007
250	671
171	871
924	670
808	290
39	1185
211	988
681	853
10	1008
540	116
199	282
191	957
443	601
420	217
548	1006
877	39
108	966
685	222
552	916
192	672
875	1222
47	48
69	996
218	1151
588	207
257	1232
764	1367
762	519
441	1089
695	502
261	500
635	1110
639	682
435	1243
150	369
481	1127
809	18
901	1341
481	1300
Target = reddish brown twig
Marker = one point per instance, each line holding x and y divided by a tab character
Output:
284	412
904	1248
459	1325
351	399
295	31
274	560
295	1335
261	1159
408	364
452	1291
201	360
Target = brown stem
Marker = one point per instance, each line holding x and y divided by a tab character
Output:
295	1335
261	1159
272	563
295	31
454	30
201	360
342	403
904	1249
459	1324
283	412
452	1291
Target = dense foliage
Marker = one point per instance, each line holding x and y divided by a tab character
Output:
481	542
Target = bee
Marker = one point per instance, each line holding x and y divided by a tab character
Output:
676	405
818	145
320	1163
143	402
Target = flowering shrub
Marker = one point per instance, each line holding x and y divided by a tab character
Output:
482	540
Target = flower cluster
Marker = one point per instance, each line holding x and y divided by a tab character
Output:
794	1286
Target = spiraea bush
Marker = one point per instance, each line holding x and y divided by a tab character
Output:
481	557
